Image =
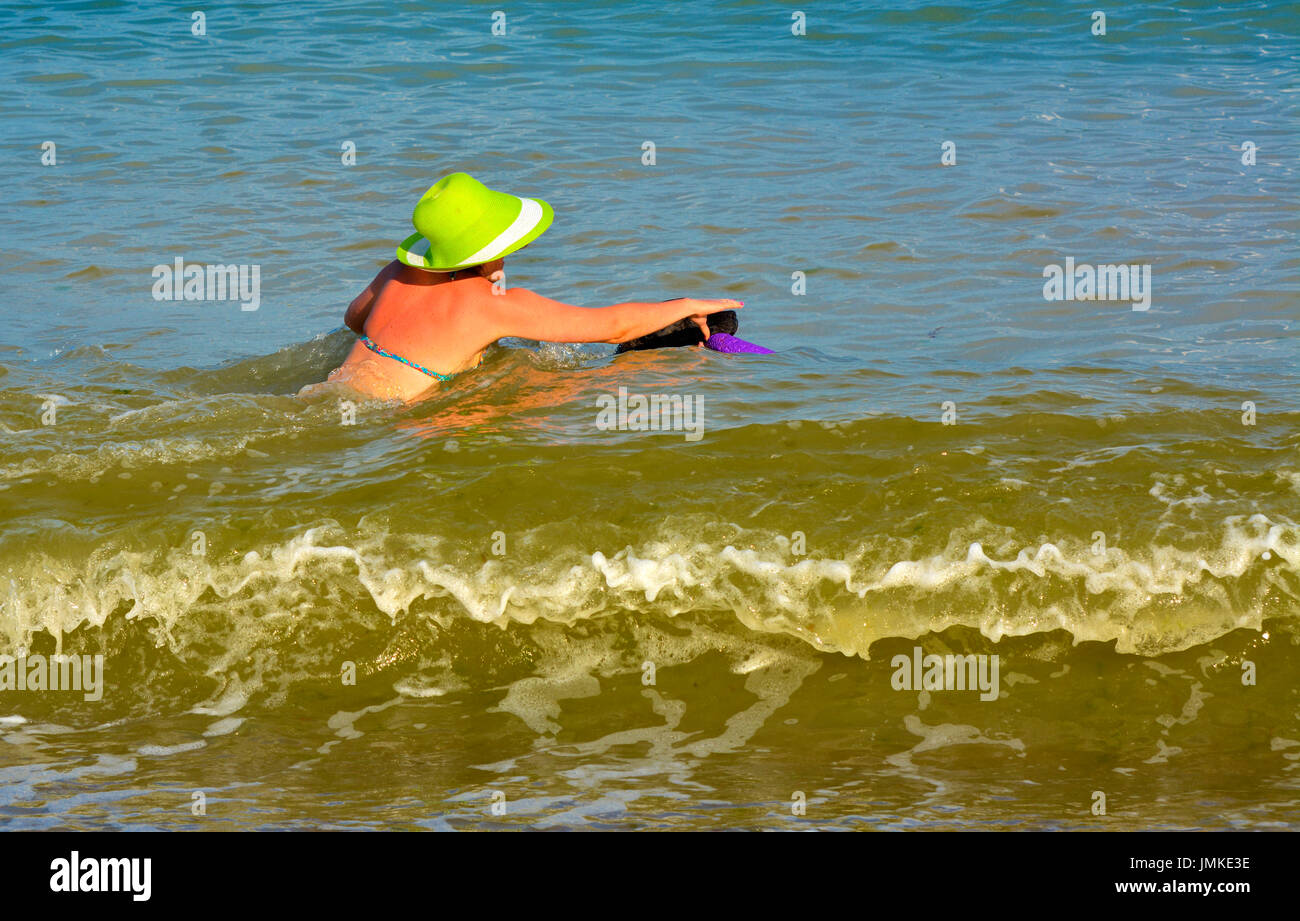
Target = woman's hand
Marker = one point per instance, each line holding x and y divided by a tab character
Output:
705	307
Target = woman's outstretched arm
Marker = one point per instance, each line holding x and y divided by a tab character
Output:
522	314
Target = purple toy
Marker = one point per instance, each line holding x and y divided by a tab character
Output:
721	342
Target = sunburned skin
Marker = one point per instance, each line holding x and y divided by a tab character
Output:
443	321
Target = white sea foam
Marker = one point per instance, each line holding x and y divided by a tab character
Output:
1148	599
164	751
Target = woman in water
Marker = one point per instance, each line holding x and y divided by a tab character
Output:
428	315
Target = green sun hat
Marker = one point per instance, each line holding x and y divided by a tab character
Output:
460	222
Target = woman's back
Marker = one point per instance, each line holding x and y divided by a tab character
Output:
428	320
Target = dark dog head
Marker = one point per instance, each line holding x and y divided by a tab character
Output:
683	332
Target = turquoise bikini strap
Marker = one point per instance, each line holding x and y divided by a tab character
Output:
410	364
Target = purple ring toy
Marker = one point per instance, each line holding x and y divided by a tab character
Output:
722	342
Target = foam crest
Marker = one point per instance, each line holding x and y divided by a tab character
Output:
1148	599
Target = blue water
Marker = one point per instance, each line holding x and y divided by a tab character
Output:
775	154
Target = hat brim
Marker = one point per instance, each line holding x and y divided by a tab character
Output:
534	217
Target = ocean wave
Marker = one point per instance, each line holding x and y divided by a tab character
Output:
322	583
